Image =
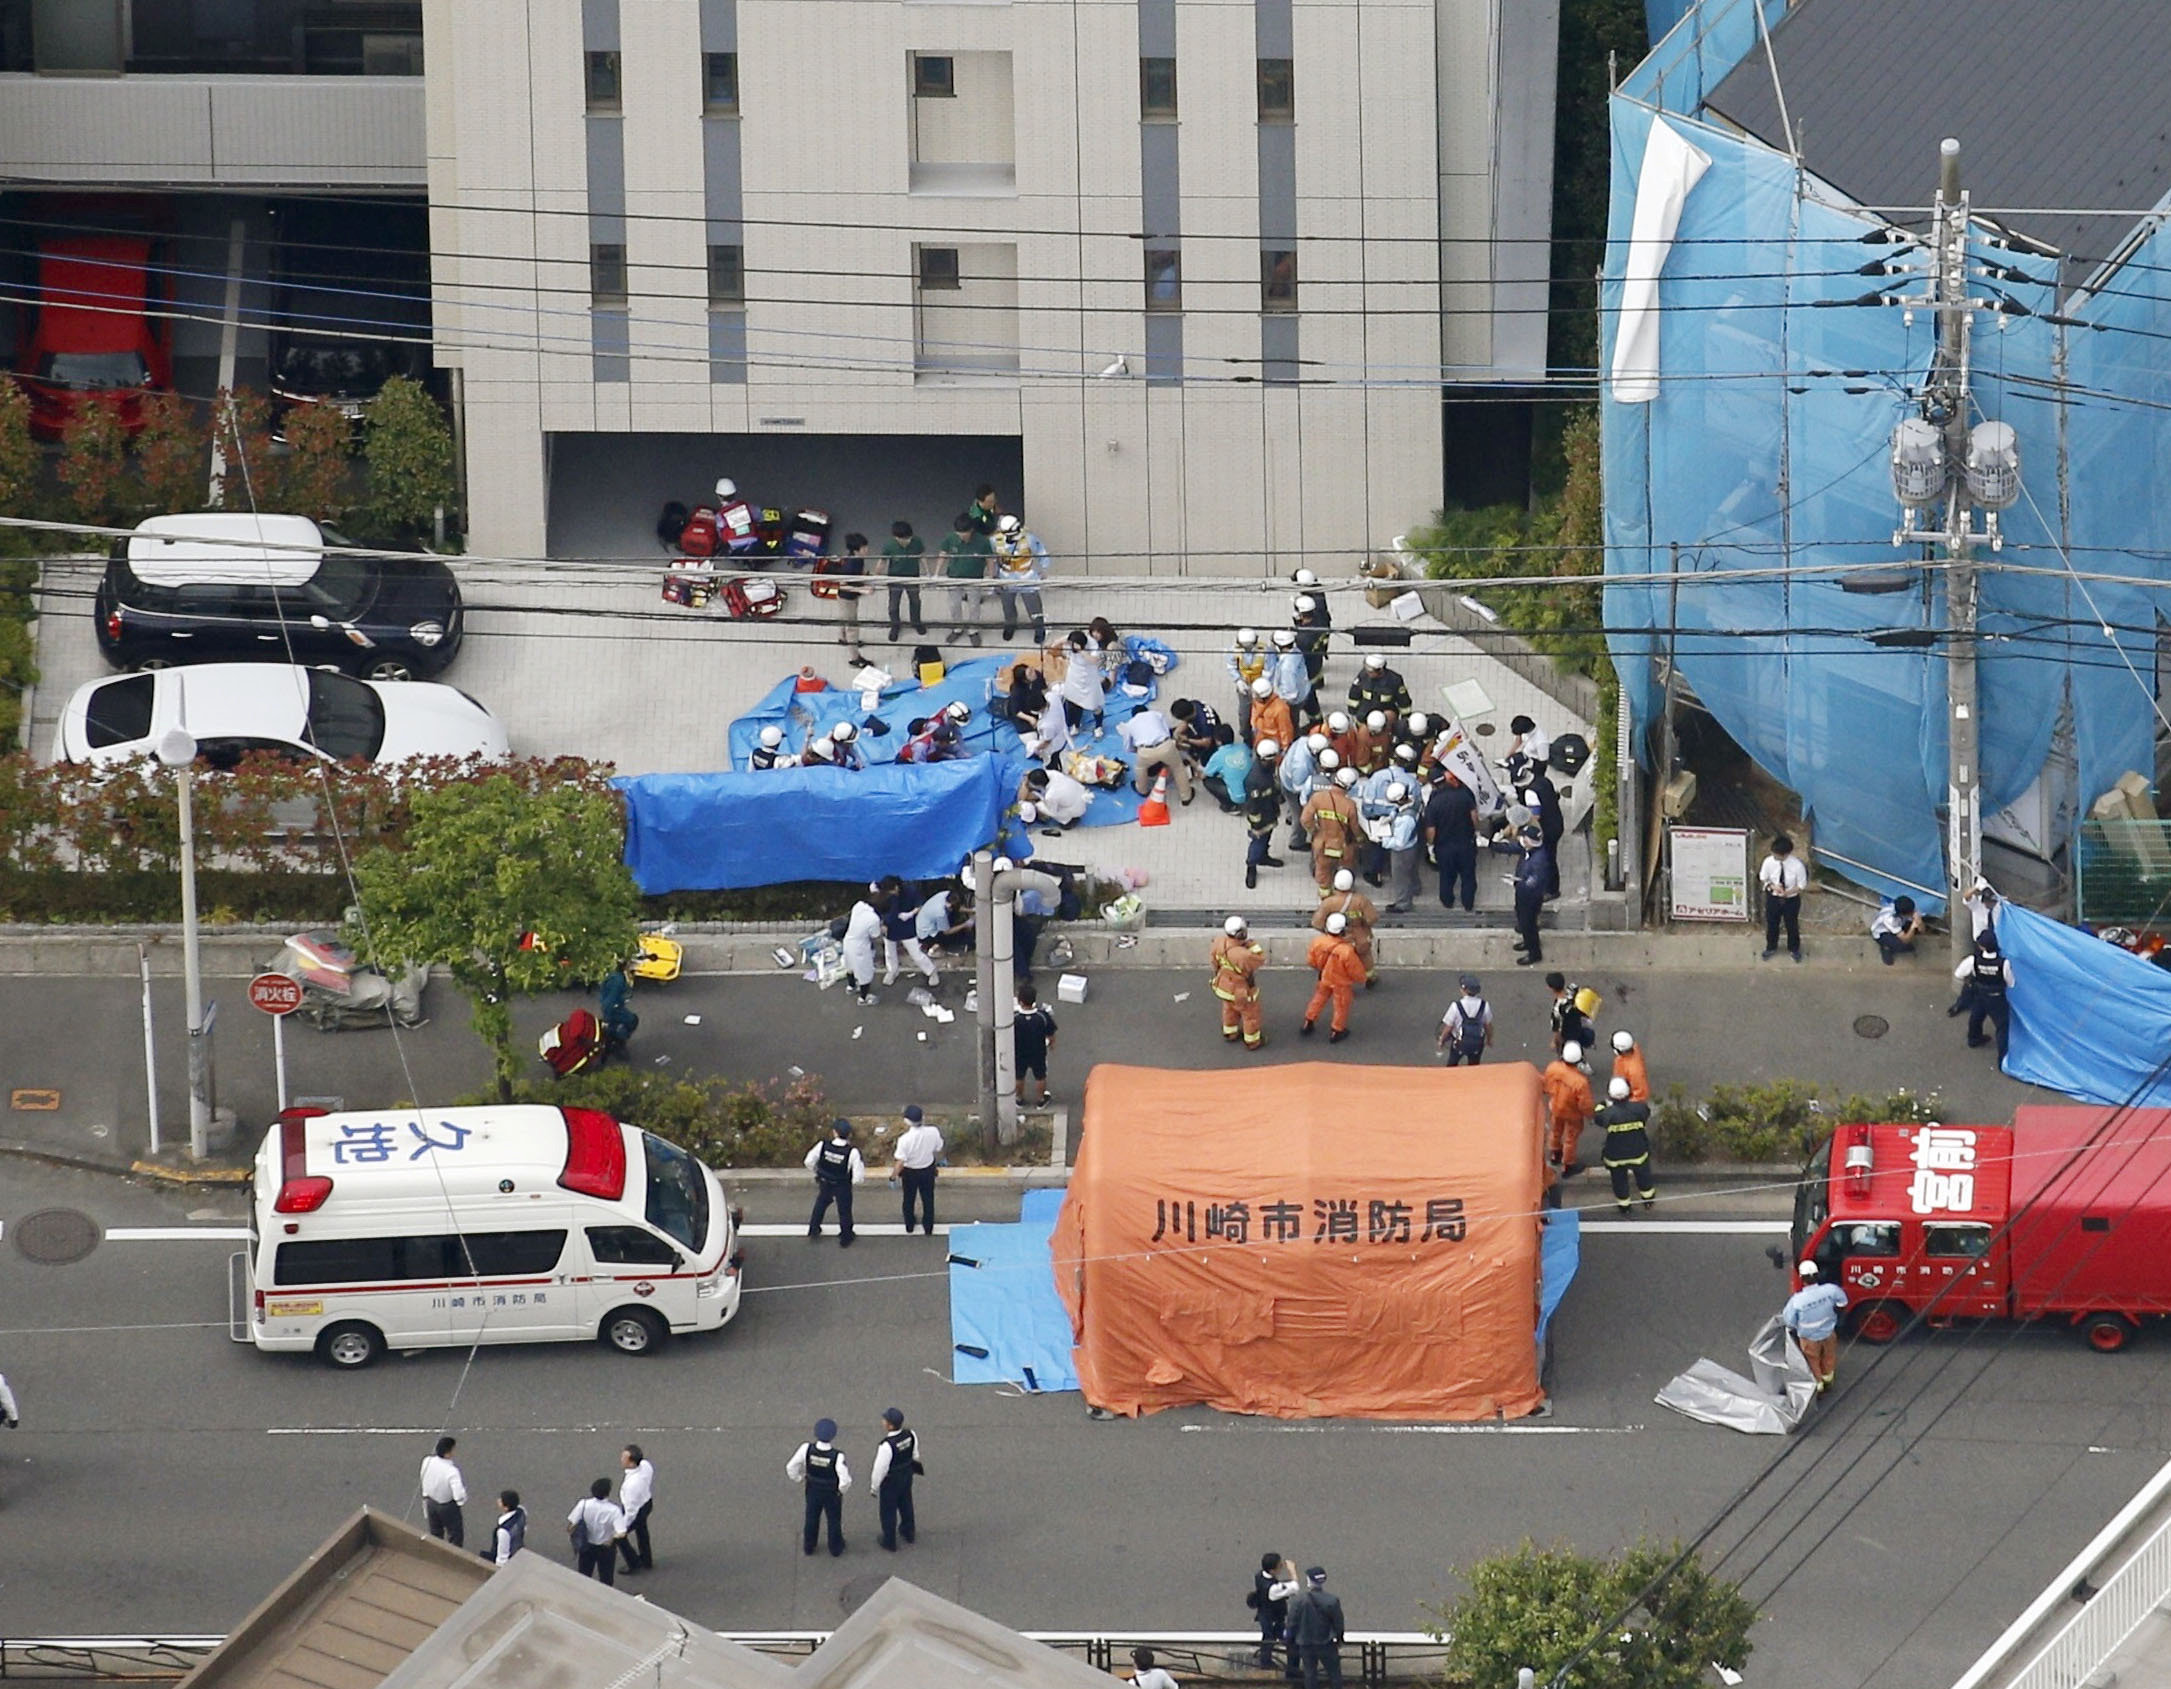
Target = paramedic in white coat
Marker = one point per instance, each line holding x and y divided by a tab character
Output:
862	932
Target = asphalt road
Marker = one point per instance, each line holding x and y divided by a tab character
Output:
166	1478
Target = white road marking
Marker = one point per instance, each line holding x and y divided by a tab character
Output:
1693	1228
1313	1429
176	1234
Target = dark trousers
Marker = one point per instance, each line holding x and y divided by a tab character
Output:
1552	831
599	1560
1260	848
1786	910
899	595
1218	789
824	1195
1026	599
1999	1014
1322	1659
1269	1633
824	1504
1458	875
1889	946
919	1183
894	1502
639	1556
1527	906
1622	1173
445	1521
1458	1053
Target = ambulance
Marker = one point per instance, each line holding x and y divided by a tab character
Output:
2063	1216
445	1227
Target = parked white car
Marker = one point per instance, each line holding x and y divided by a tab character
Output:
232	709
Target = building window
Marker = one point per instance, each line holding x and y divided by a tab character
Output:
1277	90
938	269
934	76
1157	88
1164	281
603	82
727	275
720	83
607	274
1278	279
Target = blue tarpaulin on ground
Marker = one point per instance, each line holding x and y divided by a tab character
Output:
1560	1252
718	832
1007	1325
2089	1019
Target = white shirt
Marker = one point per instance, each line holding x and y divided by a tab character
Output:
864	927
1066	800
1153	1677
1887	921
796	1468
859	1167
919	1146
599	1520
636	1487
882	1459
1145	730
1966	970
1784	876
503	1539
1537	744
441	1481
7	1402
1467	1011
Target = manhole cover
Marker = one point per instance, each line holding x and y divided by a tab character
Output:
55	1236
1871	1026
1484	730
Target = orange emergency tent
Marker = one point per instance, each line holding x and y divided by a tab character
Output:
1307	1241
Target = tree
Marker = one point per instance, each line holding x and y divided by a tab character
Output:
93	462
241	429
316	476
408	445
490	868
18	451
1543	1608
173	455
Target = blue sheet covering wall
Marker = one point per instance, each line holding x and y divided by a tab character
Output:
1004	1305
2089	1019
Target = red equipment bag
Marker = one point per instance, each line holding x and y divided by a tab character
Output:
572	1043
692	583
829	566
699	536
752	598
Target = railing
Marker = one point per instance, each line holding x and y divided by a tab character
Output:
2122	873
2102	1626
1376	1659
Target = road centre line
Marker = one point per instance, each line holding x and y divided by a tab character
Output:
176	1234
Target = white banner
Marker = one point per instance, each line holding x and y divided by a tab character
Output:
1458	753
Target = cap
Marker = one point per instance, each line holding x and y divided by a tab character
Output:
843	1128
1344	880
1571	1052
1338	722
1345	778
913	1114
1330	760
1262	688
890	1416
824	1429
1318	1574
726	487
1533	832
1618	1089
1267	748
1337	924
1808	1269
772	737
1247	636
1373	660
1234	926
1624	1041
1469	983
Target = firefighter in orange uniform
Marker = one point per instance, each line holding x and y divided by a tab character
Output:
1628	1065
1359	912
1568	1105
1330	821
1237	961
1340	972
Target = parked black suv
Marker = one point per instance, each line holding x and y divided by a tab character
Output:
224	588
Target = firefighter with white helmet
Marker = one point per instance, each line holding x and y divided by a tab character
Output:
1236	960
1312	622
1628	1065
1359	915
1568	1106
1271	715
1627	1152
1334	959
1378	687
1330	820
1262	809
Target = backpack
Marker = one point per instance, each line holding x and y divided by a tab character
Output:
672	523
927	664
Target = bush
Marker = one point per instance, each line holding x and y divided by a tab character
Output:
18	452
93	466
408	445
725	1123
173	455
1780	1121
316	478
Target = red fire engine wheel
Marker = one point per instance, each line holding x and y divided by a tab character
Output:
2106	1333
1880	1322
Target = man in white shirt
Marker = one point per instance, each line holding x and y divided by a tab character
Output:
1148	1675
919	1148
1784	877
836	1167
595	1525
636	1500
819	1466
896	1464
1054	797
444	1493
1152	744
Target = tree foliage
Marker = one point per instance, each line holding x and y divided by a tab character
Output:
241	429
173	455
485	866
18	451
408	445
93	466
316	477
1546	1607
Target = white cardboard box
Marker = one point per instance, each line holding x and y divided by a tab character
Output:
1071	988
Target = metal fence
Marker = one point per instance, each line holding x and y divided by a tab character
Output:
2101	1627
2122	873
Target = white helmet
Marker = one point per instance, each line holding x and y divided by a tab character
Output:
1330	760
1344	880
1405	753
968	880
1624	1041
1234	926
1376	722
1396	791
1247	636
1374	661
1304	604
771	737
1337	924
1315	741
1338	722
1284	640
1028	813
843	733
1618	1090
958	710
1345	778
1808	1269
1262	688
1571	1052
1006	524
1304	577
1420	724
1267	748
1003	865
726	487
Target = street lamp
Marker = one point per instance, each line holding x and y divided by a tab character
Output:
177	750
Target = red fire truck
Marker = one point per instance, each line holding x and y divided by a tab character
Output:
2065	1215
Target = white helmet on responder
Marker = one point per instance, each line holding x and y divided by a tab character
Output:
1338	722
1284	640
1234	926
1374	661
1571	1052
1396	791
1337	924
1267	748
1420	724
1304	604
1330	759
726	487
1262	688
1808	1269
1618	1090
1315	742
771	737
1624	1041
1006	524
1344	777
1376	722
1247	636
1304	577
958	710
1004	865
1028	813
1344	880
843	733
1405	753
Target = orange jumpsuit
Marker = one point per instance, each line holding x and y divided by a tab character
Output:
1362	915
1368	752
1271	719
1340	973
1348	746
1237	962
1330	822
1628	1065
1568	1105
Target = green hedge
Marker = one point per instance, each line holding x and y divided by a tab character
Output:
725	1123
1780	1121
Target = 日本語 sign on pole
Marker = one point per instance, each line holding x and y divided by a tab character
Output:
278	996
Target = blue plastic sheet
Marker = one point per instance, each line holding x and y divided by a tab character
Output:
2089	1019
1007	1326
718	832
1560	1252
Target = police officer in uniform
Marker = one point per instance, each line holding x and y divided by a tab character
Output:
837	1167
1628	1144
1985	977
819	1466
1533	874
770	752
896	1464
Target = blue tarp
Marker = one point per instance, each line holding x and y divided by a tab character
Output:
717	832
2089	1019
1560	1252
1006	1303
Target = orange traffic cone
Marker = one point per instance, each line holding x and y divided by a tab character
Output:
1154	811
